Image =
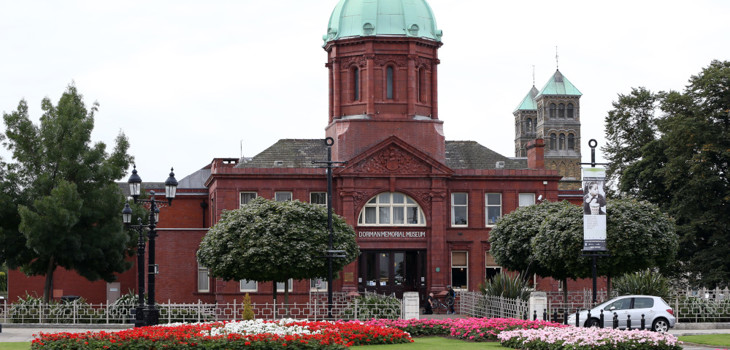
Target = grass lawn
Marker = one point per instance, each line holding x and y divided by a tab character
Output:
722	340
15	346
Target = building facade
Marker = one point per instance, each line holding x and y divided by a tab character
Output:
422	206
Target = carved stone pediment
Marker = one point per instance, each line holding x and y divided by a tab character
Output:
392	160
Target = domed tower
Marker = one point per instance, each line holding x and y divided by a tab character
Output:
382	59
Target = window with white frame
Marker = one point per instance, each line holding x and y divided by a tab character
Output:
459	270
459	209
280	285
248	286
527	199
491	267
247	197
203	279
493	208
318	285
391	209
282	196
319	198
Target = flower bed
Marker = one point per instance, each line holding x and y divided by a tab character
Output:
587	338
283	334
472	329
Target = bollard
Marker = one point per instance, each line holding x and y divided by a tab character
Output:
544	315
565	317
534	315
588	319
555	315
628	322
577	317
600	325
615	320
524	315
643	322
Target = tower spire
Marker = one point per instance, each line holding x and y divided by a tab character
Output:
557	63
533	75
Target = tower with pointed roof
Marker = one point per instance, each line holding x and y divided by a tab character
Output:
553	114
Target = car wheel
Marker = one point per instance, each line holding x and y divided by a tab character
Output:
593	322
660	325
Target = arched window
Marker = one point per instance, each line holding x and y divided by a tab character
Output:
561	143
570	110
528	127
355	84
553	107
418	84
571	141
391	209
553	139
561	111
389	82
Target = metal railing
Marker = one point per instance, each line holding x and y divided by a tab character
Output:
476	304
76	312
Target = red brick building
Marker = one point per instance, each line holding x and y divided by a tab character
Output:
422	207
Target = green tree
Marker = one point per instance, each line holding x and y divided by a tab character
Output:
510	240
684	169
64	188
273	241
558	244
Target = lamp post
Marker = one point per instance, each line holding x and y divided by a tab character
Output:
150	315
331	253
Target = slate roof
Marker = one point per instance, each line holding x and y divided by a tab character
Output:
299	153
289	153
196	179
472	155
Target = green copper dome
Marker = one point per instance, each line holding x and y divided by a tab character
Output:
410	18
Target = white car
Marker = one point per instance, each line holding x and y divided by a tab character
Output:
658	315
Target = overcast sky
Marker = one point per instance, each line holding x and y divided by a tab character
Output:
189	81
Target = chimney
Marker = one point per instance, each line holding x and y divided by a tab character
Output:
536	154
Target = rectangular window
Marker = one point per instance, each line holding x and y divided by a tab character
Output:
203	279
459	270
493	207
249	286
527	199
280	285
459	209
318	285
247	197
492	269
319	198
282	196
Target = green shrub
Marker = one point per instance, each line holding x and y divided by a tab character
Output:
503	285
644	282
370	306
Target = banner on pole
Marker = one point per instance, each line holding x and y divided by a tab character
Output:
594	209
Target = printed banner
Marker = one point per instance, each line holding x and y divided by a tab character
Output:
594	209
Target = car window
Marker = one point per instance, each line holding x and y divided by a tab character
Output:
621	304
643	303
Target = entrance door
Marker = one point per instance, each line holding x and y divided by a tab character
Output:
392	271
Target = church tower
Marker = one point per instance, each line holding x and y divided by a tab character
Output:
553	114
382	61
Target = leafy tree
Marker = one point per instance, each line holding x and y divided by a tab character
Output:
511	238
683	168
558	244
273	241
65	192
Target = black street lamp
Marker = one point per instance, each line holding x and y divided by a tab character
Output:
150	315
330	253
